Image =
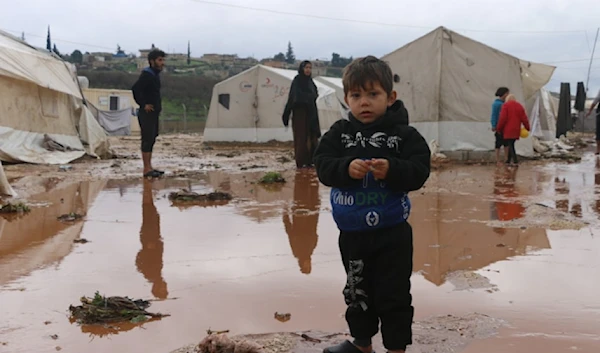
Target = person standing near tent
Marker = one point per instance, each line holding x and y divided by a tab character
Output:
595	103
302	104
501	94
146	92
512	116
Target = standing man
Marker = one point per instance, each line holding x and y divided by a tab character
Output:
594	103
146	92
501	94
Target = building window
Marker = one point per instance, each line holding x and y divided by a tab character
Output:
224	100
114	103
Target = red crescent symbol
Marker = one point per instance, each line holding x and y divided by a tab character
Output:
268	80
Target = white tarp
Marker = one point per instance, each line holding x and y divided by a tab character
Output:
114	122
249	106
448	81
337	84
42	118
542	116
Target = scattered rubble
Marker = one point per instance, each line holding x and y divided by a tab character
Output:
569	147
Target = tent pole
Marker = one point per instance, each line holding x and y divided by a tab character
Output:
587	82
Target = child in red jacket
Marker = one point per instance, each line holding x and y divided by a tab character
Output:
512	116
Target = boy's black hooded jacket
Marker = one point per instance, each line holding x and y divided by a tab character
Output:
388	137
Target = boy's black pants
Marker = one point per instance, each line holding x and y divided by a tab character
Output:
379	265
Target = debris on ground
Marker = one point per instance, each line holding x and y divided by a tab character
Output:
70	217
81	241
187	196
220	343
565	148
310	339
468	280
541	216
229	154
283	317
439	334
436	156
283	159
18	207
54	337
102	310
272	178
254	166
210	332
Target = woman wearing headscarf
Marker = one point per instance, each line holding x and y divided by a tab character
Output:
512	116
302	104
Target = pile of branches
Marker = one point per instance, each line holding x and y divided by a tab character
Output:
102	310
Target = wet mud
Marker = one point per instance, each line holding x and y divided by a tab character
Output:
504	259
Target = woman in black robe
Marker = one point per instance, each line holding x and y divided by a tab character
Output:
302	104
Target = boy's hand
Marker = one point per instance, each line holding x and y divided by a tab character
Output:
380	168
358	168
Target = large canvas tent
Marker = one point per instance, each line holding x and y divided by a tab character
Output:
42	116
248	107
448	81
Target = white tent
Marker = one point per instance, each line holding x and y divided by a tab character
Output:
448	81
543	109
248	107
42	117
337	84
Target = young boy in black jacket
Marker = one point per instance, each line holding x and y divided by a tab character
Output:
371	162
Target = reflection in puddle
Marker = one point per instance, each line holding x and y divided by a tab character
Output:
149	260
508	206
37	239
300	221
233	266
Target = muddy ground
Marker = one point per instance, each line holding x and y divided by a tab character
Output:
489	240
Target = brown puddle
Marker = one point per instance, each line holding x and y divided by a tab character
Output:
274	250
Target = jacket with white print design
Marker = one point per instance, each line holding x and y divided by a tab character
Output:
369	204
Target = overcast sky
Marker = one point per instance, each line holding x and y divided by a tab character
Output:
560	32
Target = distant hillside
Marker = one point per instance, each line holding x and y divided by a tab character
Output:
193	91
